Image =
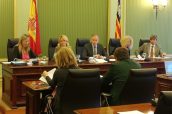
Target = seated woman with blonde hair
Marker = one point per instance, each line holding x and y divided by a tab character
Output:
65	59
126	42
63	41
22	50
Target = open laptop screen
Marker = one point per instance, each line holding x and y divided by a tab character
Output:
168	68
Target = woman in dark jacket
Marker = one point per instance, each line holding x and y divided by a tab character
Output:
65	59
22	50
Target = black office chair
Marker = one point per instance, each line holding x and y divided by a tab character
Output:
113	44
140	86
10	48
142	41
51	47
81	90
80	45
164	105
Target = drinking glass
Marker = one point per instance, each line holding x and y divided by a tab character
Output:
144	55
78	57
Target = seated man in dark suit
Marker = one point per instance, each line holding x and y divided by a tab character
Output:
118	74
93	48
150	49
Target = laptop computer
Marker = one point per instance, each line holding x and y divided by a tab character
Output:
168	68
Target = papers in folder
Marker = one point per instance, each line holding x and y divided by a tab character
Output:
94	60
50	74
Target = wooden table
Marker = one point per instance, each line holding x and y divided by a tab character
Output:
154	63
164	83
144	107
13	92
35	91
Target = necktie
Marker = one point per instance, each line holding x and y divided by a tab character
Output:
94	51
151	52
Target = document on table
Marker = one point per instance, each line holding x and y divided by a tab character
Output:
131	112
50	74
112	60
6	62
100	60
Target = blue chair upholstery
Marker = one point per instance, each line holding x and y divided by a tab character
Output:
142	41
164	105
81	90
10	48
80	45
51	47
113	44
140	86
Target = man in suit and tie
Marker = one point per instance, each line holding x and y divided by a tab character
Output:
151	49
93	48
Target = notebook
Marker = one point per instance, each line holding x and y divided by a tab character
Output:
168	68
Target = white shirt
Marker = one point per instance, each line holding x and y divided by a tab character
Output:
94	49
153	50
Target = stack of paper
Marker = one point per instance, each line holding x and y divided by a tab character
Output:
112	60
100	60
50	74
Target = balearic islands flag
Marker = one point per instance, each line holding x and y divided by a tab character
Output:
33	28
118	18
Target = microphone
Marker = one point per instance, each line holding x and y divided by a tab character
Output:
15	59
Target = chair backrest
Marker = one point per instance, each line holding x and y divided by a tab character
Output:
139	87
142	41
113	44
10	47
164	105
80	45
81	90
51	47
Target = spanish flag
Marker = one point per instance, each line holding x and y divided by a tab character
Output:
33	28
118	18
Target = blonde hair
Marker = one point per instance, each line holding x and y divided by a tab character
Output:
20	46
59	39
65	58
127	42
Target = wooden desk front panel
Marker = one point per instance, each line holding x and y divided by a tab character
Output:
159	65
13	92
32	102
164	83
